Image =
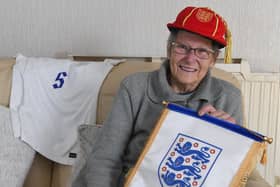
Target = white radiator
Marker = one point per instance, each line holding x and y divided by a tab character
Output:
261	93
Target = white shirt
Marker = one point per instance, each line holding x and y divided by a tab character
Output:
51	98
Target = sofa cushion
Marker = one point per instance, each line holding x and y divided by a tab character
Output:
89	134
15	156
6	69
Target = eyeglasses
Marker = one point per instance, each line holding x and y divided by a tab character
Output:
182	49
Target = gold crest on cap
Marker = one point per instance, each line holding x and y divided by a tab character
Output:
204	15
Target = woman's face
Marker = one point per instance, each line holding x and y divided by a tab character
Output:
187	70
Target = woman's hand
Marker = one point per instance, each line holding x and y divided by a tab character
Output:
210	110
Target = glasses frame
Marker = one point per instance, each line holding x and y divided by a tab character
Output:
187	49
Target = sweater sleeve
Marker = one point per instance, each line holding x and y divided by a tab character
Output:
104	165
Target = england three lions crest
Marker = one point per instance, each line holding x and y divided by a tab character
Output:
187	162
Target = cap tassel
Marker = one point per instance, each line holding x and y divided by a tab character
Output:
228	48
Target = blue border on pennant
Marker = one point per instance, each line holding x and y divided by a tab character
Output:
218	122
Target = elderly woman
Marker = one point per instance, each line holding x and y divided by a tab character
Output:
184	78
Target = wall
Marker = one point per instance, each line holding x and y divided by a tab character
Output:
131	28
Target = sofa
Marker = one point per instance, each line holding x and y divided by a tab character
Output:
46	173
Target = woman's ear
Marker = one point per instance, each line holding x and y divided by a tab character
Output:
215	57
216	54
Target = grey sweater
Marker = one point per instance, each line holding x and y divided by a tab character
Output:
135	111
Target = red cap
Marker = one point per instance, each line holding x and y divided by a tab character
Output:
202	21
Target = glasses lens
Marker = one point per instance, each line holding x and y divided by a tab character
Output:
202	53
180	49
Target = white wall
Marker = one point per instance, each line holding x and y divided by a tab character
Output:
131	27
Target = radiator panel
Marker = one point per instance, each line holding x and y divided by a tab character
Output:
261	92
262	111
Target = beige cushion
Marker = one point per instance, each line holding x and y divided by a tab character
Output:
40	173
6	68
